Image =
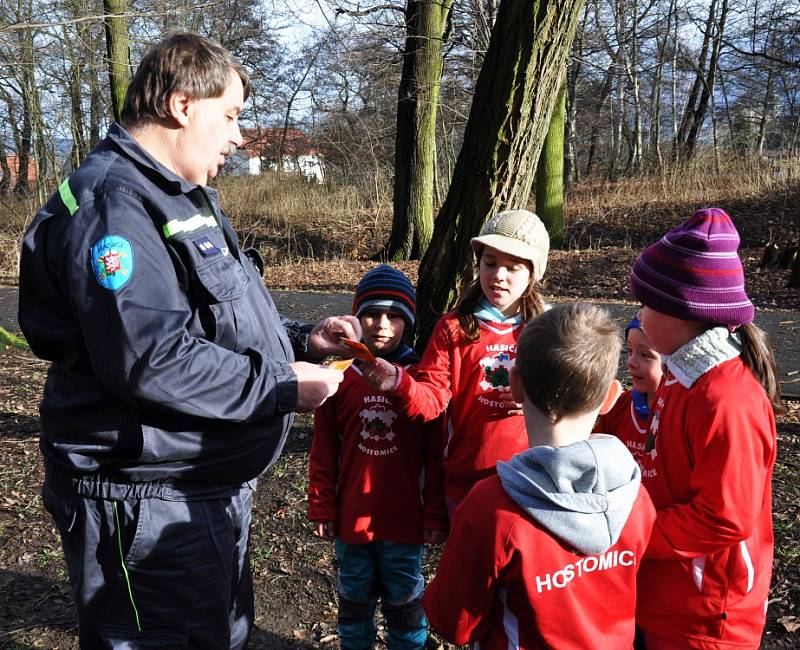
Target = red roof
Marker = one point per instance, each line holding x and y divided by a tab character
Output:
267	142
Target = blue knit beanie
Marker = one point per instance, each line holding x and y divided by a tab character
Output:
384	287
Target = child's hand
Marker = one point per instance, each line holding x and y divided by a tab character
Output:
505	395
324	529
434	536
324	338
380	376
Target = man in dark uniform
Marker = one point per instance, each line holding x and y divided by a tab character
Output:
173	377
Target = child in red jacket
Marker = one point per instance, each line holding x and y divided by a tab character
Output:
712	443
375	480
629	419
465	368
545	553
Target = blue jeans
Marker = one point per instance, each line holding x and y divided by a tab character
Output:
392	571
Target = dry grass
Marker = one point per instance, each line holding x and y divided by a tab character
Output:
635	211
290	220
15	215
287	218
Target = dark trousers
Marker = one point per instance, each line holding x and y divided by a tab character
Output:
151	573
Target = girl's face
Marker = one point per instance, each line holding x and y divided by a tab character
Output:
382	330
667	333
504	278
644	363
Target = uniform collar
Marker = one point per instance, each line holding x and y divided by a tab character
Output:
133	150
713	347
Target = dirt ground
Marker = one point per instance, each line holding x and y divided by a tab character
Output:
293	571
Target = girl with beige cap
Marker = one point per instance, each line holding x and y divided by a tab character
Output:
465	368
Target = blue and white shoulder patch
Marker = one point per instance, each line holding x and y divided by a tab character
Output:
112	261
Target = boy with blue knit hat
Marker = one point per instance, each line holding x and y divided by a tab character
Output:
375	480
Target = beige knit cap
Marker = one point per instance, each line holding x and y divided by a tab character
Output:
519	233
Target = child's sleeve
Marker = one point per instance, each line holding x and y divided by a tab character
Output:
424	391
459	600
323	466
733	448
435	517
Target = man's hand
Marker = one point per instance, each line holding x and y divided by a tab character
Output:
315	384
324	529
381	376
324	338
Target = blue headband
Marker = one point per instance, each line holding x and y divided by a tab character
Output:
633	323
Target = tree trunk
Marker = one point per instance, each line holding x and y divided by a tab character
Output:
415	140
118	52
617	122
77	128
595	135
765	109
550	174
29	92
794	277
655	97
507	125
631	65
571	170
5	171
708	82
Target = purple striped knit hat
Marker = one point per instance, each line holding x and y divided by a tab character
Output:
694	272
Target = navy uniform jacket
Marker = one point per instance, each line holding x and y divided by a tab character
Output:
170	367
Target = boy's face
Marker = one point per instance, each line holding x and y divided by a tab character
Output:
383	330
644	363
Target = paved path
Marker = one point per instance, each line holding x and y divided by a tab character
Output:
782	326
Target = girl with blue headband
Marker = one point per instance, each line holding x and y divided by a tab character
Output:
630	418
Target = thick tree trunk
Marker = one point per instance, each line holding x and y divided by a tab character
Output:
550	174
507	125
118	52
415	141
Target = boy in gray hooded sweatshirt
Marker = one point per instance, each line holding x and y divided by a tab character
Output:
545	554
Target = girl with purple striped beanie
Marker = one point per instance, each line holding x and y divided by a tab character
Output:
711	444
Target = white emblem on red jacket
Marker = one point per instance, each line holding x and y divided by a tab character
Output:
496	371
377	423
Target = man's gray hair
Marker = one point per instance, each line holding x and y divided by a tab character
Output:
181	62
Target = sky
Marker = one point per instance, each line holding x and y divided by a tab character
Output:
304	17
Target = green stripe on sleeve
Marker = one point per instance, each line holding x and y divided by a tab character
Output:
67	197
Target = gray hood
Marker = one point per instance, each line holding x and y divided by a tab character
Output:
582	493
